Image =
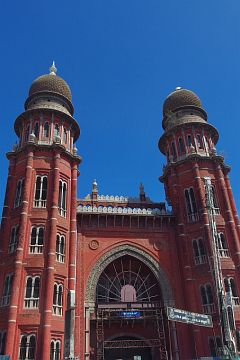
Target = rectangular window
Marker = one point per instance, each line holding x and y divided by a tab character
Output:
7	290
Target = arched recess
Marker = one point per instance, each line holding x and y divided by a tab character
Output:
115	253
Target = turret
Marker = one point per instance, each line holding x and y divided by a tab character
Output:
189	144
38	234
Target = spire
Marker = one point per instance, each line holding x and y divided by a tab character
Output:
53	69
142	192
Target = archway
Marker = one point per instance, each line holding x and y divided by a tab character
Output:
127	353
127	291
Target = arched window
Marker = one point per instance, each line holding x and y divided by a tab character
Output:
2	341
207	299
31	299
36	240
46	130
199	252
189	140
36	129
40	197
55	350
60	248
222	246
27	133
199	141
56	130
7	289
181	146
58	299
13	243
27	347
231	291
174	153
191	205
62	194
65	136
19	193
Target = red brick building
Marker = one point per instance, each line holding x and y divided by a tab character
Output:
91	278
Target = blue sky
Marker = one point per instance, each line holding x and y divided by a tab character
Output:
121	59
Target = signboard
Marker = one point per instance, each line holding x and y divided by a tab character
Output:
189	317
4	357
130	314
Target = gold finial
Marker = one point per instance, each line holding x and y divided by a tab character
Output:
53	69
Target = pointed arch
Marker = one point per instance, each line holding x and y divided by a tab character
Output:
122	250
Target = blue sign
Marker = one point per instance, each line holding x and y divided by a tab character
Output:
4	357
130	314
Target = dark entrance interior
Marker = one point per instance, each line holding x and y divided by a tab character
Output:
127	353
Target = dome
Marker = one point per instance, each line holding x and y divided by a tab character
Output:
179	98
51	83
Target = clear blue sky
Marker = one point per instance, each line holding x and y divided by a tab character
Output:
121	59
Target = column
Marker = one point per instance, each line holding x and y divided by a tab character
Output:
50	262
18	263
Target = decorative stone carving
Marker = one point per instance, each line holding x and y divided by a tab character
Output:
94	244
120	251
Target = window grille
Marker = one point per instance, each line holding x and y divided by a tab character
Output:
7	287
19	193
31	299
27	347
60	248
58	299
40	197
62	194
13	243
36	240
55	350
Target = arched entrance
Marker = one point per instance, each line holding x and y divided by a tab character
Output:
127	353
128	318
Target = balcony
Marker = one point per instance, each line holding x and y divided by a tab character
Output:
223	253
57	310
36	249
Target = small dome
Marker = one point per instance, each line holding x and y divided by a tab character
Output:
179	98
51	83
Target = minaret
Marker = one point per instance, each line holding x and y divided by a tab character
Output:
38	233
189	144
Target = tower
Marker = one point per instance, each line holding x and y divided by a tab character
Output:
189	143
38	233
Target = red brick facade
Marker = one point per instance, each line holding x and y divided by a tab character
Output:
92	278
